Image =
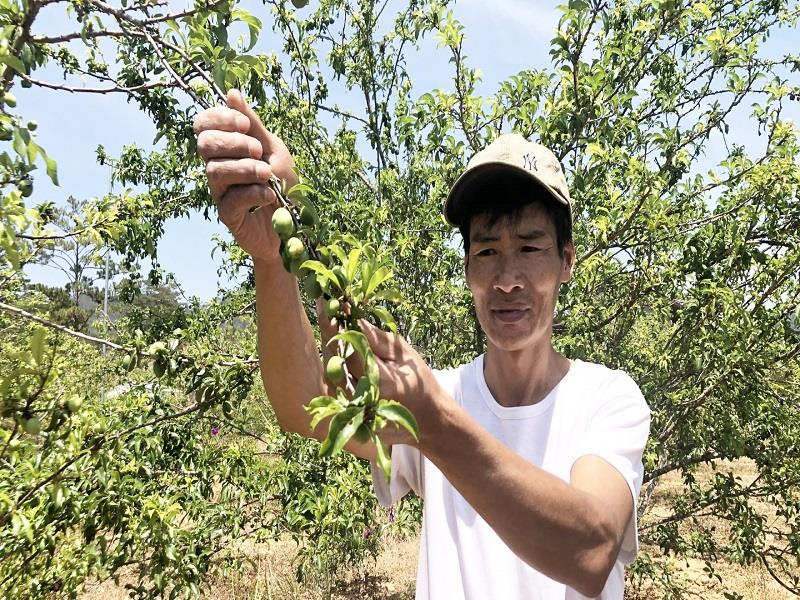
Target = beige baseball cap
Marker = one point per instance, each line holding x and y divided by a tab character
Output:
509	154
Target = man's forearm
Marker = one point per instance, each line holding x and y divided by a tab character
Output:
288	354
556	528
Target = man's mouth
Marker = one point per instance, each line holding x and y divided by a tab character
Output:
509	314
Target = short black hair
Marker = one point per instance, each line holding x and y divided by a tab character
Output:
505	197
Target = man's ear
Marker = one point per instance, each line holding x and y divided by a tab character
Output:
567	262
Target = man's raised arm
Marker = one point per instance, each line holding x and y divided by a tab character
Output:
241	156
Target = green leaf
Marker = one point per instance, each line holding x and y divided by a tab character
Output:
37	344
338	424
52	169
13	62
352	263
398	414
355	338
319	268
339	252
321	407
377	278
218	73
386	318
253	25
300	191
384	458
388	295
347	432
373	374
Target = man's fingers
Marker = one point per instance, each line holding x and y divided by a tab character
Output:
224	173
385	345
269	142
221	118
213	143
235	205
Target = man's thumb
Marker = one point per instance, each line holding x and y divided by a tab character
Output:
257	130
383	343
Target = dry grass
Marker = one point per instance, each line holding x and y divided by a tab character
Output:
271	576
271	573
753	582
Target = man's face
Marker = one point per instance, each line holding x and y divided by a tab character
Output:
514	272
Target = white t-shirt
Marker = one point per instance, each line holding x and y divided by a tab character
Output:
593	410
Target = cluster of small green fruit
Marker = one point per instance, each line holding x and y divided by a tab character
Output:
7	126
351	278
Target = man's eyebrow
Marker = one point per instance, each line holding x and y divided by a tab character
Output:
483	238
533	234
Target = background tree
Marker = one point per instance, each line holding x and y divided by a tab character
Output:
687	274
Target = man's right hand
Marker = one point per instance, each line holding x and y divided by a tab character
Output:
240	156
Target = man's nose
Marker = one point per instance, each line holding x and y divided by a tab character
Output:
508	277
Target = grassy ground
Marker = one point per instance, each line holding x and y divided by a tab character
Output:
753	582
391	577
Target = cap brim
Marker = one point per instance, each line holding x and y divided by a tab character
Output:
462	195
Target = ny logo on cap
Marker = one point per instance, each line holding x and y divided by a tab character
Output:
530	162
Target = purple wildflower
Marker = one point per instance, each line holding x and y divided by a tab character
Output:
215	430
391	515
367	533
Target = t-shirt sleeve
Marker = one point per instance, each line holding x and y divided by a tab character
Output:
406	475
617	433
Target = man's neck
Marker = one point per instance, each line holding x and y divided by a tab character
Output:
523	377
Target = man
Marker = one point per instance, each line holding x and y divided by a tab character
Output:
529	463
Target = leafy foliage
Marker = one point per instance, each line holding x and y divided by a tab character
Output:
687	275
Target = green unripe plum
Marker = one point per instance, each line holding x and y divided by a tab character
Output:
308	217
299	3
99	427
32	125
26	188
25	83
312	286
294	248
334	307
334	370
282	223
127	363
32	426
10	99
74	404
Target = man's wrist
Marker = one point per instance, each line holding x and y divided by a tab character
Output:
438	418
271	272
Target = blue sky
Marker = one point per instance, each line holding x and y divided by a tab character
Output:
502	38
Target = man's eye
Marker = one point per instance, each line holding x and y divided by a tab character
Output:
530	249
485	252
